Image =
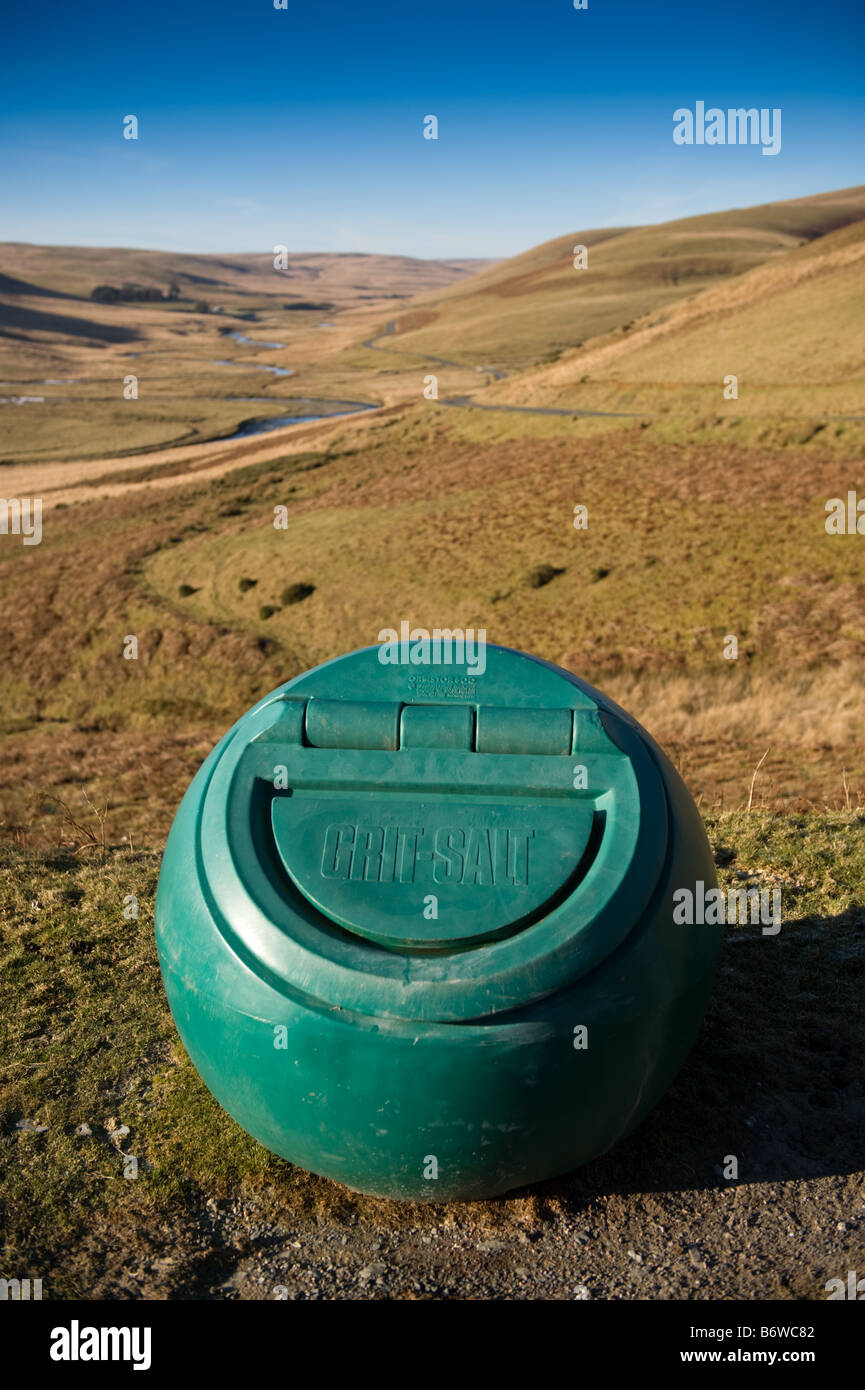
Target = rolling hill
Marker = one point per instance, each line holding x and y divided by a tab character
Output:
537	306
343	280
791	330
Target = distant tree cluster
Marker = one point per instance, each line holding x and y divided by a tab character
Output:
129	292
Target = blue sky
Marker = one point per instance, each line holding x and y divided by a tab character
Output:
303	126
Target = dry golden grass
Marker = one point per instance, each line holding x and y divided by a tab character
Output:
793	325
823	707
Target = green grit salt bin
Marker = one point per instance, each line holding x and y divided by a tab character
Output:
416	925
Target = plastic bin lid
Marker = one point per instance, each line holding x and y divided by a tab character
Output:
422	841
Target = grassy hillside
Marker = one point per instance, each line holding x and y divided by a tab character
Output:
446	517
537	305
792	330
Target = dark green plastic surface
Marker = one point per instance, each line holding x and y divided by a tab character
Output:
383	914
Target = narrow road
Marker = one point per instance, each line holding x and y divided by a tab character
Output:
543	409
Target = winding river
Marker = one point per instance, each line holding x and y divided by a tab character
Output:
282	422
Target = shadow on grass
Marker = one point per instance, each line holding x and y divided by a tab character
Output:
775	1078
36	320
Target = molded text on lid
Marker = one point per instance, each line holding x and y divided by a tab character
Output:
404	853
